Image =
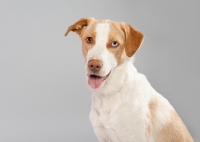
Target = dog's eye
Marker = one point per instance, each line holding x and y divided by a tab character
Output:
114	44
89	39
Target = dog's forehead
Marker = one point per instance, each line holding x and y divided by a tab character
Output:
101	26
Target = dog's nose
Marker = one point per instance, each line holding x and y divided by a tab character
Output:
95	65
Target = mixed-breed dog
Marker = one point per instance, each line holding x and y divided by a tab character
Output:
125	107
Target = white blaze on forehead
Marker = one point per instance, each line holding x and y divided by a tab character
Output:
100	52
102	31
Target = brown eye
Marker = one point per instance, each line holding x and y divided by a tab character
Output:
114	44
89	39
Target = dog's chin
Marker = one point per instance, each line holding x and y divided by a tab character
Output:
96	81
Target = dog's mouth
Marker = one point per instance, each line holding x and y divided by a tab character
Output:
96	81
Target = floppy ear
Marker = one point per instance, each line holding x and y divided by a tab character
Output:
133	39
78	26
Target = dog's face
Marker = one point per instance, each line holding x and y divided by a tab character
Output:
105	45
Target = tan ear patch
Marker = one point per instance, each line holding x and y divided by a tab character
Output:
78	26
133	39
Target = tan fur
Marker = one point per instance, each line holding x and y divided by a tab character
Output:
78	26
127	37
153	106
171	132
88	33
131	36
133	39
162	123
117	35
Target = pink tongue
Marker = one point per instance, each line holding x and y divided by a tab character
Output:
95	82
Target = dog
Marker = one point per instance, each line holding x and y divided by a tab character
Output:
125	107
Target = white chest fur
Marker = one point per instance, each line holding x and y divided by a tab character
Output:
120	117
114	121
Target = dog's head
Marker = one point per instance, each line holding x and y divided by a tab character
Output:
105	45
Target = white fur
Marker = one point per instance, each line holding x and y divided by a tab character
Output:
118	111
118	114
120	107
100	52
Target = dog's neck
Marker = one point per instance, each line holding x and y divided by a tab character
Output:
122	74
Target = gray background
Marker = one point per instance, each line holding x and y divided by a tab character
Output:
43	95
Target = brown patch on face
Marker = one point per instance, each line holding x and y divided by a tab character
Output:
116	35
85	27
174	131
129	40
89	32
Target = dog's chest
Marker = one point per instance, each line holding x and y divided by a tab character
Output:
102	111
112	120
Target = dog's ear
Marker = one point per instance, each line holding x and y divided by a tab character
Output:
79	26
133	39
